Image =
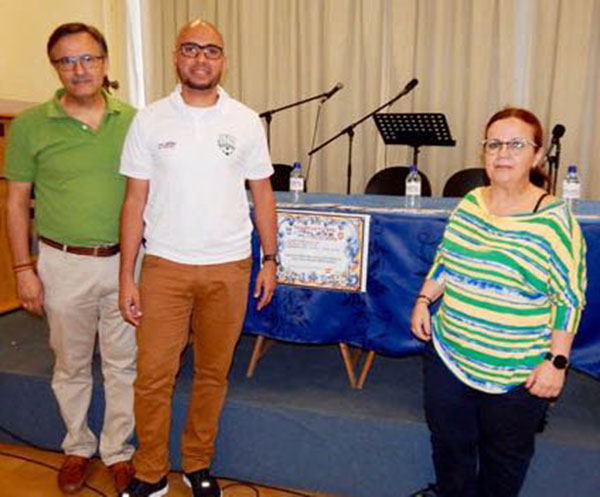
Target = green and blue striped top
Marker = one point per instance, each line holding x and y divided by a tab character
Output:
509	282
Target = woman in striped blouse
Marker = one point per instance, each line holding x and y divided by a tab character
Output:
511	274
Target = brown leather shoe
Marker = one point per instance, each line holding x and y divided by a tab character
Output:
73	473
122	473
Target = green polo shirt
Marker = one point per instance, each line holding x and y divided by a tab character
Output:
75	170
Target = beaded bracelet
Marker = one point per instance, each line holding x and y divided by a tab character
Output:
424	297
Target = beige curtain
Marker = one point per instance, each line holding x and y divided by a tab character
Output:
471	57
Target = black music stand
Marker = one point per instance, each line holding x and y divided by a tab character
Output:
415	130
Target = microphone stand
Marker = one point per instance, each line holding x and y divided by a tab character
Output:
553	162
314	138
268	114
349	130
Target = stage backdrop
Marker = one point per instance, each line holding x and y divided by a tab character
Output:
471	57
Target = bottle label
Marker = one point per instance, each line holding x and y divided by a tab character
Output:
296	184
571	191
413	189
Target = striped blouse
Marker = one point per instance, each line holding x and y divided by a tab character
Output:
509	282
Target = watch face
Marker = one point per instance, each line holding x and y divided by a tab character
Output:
560	362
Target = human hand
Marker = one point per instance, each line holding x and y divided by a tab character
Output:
129	301
265	284
420	320
546	381
30	291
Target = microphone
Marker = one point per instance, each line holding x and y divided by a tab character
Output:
553	159
557	132
407	89
332	92
410	85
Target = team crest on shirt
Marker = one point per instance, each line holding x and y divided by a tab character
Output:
226	144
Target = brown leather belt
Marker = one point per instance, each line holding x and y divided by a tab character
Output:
101	251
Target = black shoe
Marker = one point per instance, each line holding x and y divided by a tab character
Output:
430	491
139	488
202	484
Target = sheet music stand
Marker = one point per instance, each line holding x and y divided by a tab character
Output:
415	130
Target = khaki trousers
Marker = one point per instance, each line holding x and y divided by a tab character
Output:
81	302
212	299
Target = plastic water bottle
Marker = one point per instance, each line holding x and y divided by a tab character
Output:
296	183
413	189
571	186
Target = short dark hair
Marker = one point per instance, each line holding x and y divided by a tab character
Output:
72	28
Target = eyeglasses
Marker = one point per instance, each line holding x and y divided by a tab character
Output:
516	145
192	50
87	61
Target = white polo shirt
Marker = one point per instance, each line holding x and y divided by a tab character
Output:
196	160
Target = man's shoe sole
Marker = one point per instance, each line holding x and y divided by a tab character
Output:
189	484
158	493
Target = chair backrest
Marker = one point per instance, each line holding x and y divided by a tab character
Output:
463	181
392	181
280	180
540	178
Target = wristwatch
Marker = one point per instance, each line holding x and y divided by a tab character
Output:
559	361
271	257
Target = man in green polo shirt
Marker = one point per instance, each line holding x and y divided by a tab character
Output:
68	150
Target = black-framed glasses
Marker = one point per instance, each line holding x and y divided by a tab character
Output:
192	50
87	61
514	145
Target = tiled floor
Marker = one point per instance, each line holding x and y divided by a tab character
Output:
26	472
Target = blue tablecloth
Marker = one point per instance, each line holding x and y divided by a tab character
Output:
402	245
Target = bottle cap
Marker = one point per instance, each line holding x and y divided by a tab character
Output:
572	168
297	165
413	168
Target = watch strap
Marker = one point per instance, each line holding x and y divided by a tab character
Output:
270	257
559	361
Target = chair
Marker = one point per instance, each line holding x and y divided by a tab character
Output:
280	180
392	181
462	182
540	178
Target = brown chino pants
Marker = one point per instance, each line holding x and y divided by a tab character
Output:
212	299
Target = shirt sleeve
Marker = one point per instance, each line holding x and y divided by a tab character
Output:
258	163
136	158
20	163
568	276
437	271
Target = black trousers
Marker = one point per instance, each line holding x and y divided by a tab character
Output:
482	443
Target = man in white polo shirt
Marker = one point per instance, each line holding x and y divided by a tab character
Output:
186	158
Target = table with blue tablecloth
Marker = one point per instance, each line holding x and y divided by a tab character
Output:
402	244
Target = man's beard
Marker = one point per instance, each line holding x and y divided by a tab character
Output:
186	81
